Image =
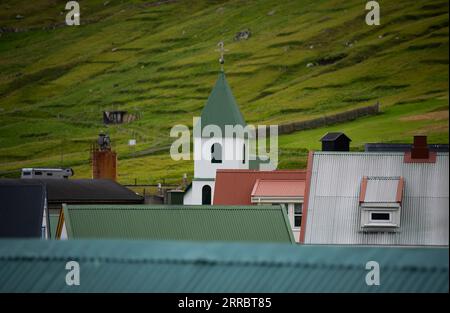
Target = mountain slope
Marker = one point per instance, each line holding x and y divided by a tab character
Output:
303	59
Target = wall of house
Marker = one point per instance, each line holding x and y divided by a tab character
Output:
63	232
187	199
289	205
295	230
45	225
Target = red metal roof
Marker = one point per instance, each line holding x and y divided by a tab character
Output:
234	187
278	188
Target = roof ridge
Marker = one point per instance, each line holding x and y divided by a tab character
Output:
259	171
174	207
202	260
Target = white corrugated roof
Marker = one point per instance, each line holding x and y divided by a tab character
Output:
381	189
333	213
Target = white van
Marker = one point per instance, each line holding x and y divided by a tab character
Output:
46	173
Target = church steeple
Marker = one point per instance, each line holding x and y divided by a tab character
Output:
229	151
221	108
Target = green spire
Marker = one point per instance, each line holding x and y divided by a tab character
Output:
221	108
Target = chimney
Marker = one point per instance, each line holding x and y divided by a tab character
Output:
420	153
104	160
419	149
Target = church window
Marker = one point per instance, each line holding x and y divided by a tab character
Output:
216	153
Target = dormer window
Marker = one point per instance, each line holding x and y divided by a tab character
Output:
380	202
216	153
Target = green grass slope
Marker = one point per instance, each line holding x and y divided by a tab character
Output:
158	59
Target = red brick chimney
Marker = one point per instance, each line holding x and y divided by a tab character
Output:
419	149
420	153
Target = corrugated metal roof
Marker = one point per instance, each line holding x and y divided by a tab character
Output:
381	189
279	188
88	190
401	147
179	222
333	214
234	187
22	207
152	266
53	218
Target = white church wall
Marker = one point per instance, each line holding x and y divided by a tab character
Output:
206	169
194	195
187	198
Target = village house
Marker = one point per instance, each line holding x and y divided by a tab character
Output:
377	198
265	223
23	209
46	196
252	187
83	191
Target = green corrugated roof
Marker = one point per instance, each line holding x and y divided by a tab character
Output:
221	108
54	218
166	266
179	222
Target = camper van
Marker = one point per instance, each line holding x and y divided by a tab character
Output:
47	173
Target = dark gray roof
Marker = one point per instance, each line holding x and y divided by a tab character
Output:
401	147
89	191
22	204
334	136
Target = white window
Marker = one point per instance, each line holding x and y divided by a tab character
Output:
298	208
380	217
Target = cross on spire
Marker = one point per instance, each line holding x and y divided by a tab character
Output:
222	50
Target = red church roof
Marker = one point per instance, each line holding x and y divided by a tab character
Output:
234	187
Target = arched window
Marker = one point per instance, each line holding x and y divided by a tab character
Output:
216	153
206	195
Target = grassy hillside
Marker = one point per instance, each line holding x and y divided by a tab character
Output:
158	60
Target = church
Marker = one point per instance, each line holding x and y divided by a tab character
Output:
220	110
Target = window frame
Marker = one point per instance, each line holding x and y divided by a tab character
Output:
294	214
378	221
